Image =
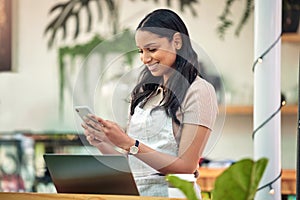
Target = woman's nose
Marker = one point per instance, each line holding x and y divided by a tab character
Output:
145	57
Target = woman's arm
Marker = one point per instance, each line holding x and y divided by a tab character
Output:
193	140
192	143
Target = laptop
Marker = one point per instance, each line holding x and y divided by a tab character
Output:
91	174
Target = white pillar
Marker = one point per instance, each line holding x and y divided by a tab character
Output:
267	141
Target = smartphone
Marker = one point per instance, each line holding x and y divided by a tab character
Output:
83	111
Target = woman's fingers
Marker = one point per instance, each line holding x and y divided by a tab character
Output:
95	118
83	125
103	122
93	124
106	130
91	138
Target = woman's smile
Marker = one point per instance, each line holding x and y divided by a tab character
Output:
153	67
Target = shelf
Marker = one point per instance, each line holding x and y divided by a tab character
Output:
291	37
248	110
237	110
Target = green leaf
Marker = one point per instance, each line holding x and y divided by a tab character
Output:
240	180
186	187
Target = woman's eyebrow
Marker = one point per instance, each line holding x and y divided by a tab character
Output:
146	45
149	44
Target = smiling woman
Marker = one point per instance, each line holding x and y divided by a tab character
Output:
172	109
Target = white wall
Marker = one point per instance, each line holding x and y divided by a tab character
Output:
29	96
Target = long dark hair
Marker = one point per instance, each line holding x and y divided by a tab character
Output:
165	23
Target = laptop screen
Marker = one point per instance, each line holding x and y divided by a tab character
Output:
91	174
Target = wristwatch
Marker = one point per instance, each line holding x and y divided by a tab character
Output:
135	148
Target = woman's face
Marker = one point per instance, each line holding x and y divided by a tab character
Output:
157	53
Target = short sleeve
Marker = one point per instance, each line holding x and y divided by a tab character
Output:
200	104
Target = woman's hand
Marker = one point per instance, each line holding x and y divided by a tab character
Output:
98	130
92	134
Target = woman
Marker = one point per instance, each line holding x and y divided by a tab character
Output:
172	110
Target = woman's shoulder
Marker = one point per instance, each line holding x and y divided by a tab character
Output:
200	84
200	91
200	104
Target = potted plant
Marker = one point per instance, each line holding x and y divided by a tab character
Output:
239	181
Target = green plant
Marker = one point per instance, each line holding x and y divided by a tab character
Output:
239	181
186	187
227	22
121	43
73	9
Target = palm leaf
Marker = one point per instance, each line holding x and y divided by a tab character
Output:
247	12
89	14
100	15
77	21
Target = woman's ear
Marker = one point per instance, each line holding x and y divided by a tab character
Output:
177	40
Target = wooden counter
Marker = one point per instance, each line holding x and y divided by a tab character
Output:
208	176
39	196
206	181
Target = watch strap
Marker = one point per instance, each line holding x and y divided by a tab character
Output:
137	143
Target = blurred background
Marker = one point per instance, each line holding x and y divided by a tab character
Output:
58	64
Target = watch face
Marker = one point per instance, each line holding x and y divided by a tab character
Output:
134	150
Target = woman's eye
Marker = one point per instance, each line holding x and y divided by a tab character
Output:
152	50
149	50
